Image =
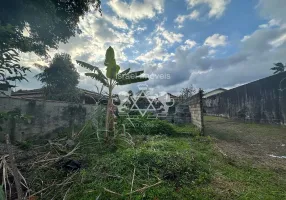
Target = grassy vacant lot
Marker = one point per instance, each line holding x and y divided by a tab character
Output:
231	162
247	170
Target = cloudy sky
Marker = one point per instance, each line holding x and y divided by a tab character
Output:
207	43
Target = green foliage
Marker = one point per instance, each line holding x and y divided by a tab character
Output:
112	68
186	129
25	145
10	70
60	79
2	193
146	126
155	159
111	79
58	22
161	127
96	73
279	67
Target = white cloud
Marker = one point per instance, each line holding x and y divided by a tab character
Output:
181	18
161	39
171	37
279	41
256	54
246	37
137	10
216	40
217	7
115	21
212	52
189	44
159	53
270	24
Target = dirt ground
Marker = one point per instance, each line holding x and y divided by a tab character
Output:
259	145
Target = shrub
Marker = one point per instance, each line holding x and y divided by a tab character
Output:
158	127
146	126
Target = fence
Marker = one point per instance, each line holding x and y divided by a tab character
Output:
46	116
262	101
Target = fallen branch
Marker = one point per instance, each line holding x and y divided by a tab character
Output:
144	188
110	191
132	183
59	158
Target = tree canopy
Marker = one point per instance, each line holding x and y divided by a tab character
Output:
279	67
10	70
60	79
37	25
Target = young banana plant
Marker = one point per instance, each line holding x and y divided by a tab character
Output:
111	79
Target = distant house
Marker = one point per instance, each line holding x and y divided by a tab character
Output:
88	97
5	89
214	92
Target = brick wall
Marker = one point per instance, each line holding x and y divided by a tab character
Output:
196	110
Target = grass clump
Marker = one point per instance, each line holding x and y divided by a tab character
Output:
146	126
164	166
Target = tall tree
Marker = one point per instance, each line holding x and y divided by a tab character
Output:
35	26
60	79
279	67
112	79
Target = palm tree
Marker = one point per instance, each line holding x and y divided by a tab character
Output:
279	68
112	78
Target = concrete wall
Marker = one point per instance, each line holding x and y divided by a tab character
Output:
196	110
262	101
47	116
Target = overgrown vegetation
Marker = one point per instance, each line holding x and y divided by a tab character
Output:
146	165
111	80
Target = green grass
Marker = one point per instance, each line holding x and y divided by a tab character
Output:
243	177
180	169
182	166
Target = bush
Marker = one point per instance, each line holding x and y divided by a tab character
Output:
146	126
158	127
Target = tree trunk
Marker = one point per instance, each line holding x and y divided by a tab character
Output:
107	120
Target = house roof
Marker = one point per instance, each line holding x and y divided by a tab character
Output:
39	93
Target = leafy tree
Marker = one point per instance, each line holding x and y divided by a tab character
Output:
112	79
60	79
47	22
35	26
10	70
279	68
